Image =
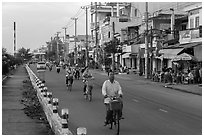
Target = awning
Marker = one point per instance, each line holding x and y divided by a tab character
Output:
126	55
170	53
191	45
184	56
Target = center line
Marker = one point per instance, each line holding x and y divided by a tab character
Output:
163	110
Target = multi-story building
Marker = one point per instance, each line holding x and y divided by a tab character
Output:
167	21
80	48
166	26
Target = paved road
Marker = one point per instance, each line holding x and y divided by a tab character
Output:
149	109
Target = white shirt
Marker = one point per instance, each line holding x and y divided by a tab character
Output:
111	89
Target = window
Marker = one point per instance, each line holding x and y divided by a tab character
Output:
135	12
109	34
191	23
196	22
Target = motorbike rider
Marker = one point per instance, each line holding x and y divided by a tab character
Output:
111	87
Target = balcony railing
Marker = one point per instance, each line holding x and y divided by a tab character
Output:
94	25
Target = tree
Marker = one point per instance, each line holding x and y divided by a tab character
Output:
24	54
4	51
113	47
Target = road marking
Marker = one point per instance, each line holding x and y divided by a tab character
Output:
135	100
163	110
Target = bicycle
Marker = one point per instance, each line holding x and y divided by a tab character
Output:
69	82
88	91
77	74
115	111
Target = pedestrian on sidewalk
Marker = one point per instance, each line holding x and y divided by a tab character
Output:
178	78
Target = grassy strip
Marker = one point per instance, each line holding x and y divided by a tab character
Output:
33	108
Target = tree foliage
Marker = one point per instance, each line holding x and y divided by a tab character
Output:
112	46
23	53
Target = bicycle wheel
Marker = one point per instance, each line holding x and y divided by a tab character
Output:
70	87
118	122
89	95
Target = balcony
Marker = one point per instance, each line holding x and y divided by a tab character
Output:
106	21
94	25
188	36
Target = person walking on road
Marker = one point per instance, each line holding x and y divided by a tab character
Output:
111	87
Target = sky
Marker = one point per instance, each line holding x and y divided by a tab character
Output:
37	22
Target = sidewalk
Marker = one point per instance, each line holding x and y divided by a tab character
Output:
188	88
14	120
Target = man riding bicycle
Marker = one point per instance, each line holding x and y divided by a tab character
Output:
111	88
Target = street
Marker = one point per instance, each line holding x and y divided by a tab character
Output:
148	109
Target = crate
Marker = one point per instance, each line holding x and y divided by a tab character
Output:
115	105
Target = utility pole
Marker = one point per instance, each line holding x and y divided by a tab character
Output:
96	35
65	34
14	40
75	47
58	59
151	52
91	22
87	52
146	44
172	22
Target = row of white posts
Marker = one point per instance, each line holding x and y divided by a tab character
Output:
58	124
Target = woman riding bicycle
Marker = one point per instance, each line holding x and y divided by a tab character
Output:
86	74
69	75
111	88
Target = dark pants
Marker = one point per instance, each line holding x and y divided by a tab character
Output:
71	80
91	87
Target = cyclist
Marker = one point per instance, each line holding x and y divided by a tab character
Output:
77	73
58	68
111	87
86	74
69	75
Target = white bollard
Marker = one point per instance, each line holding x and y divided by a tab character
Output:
64	118
45	92
55	101
55	105
49	97
81	131
39	83
41	87
65	113
54	110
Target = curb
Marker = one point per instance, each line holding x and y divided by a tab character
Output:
182	90
4	78
58	124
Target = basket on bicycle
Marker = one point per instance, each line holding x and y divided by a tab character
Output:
115	105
